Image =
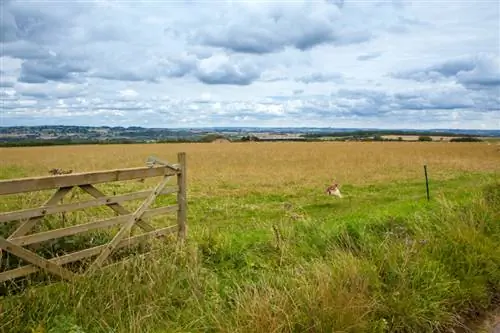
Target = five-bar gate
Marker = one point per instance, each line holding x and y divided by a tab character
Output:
23	239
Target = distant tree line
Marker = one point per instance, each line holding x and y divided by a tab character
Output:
378	133
32	142
466	139
66	142
249	138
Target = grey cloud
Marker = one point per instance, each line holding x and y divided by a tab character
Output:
338	3
273	78
369	56
486	73
475	72
371	101
137	69
105	32
125	75
213	70
360	94
254	40
228	76
50	91
444	70
256	43
273	28
362	102
8	27
432	101
24	50
321	77
50	69
38	22
5	83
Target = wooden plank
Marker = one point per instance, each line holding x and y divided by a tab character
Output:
35	259
159	211
75	256
75	179
77	229
128	225
71	207
90	189
26	226
47	210
182	197
68	231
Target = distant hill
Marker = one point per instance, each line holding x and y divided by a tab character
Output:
65	135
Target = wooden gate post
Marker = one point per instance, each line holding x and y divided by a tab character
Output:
181	197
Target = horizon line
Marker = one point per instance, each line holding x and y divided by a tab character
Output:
260	127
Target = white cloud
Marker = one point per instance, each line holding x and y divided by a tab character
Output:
128	93
275	63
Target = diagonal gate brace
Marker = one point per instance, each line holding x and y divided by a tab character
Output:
90	189
127	226
26	226
35	259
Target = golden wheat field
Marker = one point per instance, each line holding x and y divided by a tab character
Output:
271	164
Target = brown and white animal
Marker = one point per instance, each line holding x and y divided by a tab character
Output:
57	171
334	190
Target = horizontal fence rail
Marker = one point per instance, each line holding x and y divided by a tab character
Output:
71	207
27	219
76	179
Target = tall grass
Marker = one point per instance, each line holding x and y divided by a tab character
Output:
426	271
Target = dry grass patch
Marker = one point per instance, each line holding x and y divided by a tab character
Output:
277	165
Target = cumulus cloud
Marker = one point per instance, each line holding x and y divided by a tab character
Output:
279	63
55	90
52	68
474	71
271	27
219	69
22	49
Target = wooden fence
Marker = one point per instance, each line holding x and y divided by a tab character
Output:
18	241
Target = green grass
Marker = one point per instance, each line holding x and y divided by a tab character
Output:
382	259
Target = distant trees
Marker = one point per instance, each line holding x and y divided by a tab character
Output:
424	138
250	138
466	139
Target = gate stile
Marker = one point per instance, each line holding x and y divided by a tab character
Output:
15	243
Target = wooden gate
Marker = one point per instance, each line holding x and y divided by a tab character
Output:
22	241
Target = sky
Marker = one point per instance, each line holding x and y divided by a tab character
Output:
192	63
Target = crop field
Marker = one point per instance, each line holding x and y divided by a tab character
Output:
269	251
